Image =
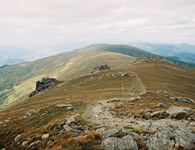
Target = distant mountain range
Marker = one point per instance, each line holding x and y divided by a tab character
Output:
182	54
10	55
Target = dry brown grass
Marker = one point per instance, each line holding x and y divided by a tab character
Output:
87	89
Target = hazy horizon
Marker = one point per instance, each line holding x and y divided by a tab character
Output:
44	23
43	28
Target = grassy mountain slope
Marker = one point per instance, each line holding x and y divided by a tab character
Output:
85	91
123	49
127	50
182	61
148	76
19	80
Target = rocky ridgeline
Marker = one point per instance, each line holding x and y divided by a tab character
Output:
152	125
100	68
42	85
148	59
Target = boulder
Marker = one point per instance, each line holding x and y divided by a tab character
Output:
42	85
182	99
188	100
66	127
100	68
45	136
24	143
135	98
172	98
127	75
17	137
161	105
29	113
33	143
114	143
64	105
113	132
171	139
178	112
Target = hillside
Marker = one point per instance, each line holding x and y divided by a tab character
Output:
123	49
181	54
86	112
17	81
190	62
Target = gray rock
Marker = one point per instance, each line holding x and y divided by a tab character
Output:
178	111
17	137
180	99
45	136
29	113
60	126
69	108
135	98
172	98
184	99
64	105
189	100
171	139
84	129
24	143
114	143
42	85
109	133
135	136
66	127
49	142
143	105
100	68
129	143
161	105
33	143
142	93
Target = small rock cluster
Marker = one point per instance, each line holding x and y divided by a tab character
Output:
30	112
126	74
70	125
67	106
148	59
100	68
42	85
182	99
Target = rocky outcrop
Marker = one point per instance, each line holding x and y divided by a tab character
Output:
182	99
148	59
171	139
100	68
115	143
178	112
42	85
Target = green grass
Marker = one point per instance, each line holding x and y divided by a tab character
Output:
19	80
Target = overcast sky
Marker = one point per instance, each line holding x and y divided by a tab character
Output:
42	23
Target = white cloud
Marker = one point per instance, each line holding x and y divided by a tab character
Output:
35	23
